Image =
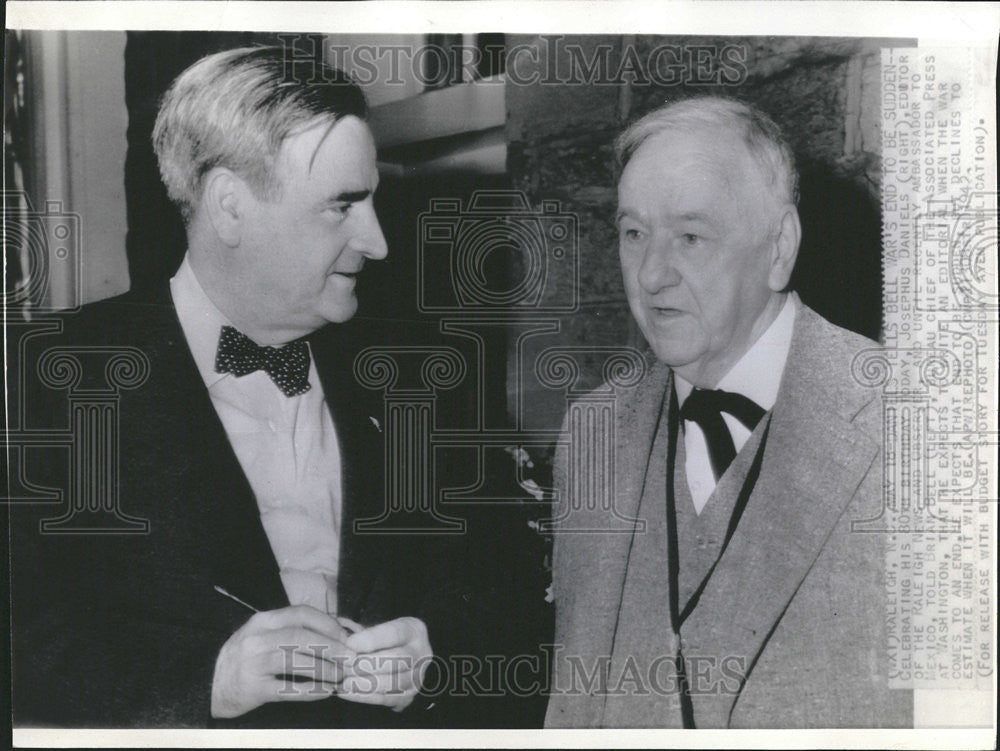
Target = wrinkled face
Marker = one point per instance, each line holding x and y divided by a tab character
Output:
301	252
696	235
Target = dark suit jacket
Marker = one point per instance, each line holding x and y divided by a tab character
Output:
789	630
124	629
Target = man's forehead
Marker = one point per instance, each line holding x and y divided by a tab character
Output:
690	167
341	141
709	147
364	134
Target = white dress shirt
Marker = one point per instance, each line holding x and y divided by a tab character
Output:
287	447
756	375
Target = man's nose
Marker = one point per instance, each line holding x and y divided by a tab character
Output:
368	239
658	268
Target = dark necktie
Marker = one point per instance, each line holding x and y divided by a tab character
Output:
705	407
287	366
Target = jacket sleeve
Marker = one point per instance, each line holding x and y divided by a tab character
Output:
81	656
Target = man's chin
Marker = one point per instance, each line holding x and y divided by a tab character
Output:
673	354
674	347
342	312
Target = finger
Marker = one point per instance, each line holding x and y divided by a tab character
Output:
385	662
366	698
305	664
376	689
279	689
294	638
392	677
302	616
383	636
352	626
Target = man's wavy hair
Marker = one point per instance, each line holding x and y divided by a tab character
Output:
234	109
760	134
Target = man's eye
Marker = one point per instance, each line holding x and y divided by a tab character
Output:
690	238
340	209
632	235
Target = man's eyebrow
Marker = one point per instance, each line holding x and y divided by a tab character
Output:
695	216
622	213
351	196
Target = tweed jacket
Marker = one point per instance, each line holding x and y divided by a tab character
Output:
789	629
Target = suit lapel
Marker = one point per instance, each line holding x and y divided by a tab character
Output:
621	588
643	635
588	616
196	450
637	420
361	460
245	564
814	461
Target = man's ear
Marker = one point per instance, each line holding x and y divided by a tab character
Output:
785	249
224	201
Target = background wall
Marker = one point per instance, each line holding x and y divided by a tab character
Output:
75	136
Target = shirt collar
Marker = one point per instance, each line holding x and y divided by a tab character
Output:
757	375
200	319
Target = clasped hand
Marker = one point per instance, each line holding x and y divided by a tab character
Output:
299	653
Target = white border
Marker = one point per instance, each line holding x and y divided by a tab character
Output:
965	22
778	739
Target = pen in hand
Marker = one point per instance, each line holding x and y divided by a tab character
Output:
226	593
350	626
234	598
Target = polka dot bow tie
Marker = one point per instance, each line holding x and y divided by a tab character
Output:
287	366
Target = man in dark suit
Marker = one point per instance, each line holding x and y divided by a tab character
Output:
742	597
250	450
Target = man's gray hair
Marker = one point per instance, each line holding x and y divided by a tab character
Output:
760	134
234	109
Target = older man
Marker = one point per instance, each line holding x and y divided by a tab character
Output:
250	450
742	598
